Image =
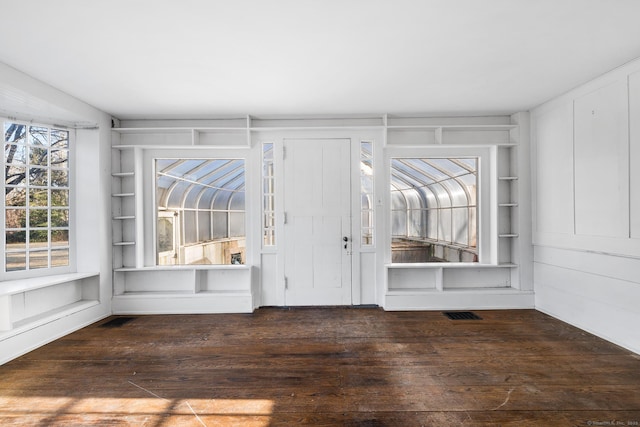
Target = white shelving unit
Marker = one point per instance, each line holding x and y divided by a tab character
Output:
124	207
463	285
28	303
146	289
143	288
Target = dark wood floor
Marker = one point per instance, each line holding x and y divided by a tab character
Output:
325	367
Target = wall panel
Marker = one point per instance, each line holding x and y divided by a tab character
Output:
601	148
634	153
554	180
604	301
590	278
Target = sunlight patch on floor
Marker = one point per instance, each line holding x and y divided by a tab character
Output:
254	412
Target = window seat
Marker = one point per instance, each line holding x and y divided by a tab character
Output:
28	303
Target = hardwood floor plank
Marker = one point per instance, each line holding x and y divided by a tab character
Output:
324	366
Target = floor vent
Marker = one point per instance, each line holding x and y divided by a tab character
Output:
117	322
462	315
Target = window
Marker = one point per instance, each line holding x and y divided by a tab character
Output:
268	194
200	211
434	209
37	193
366	193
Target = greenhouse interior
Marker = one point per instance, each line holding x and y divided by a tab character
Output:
434	209
201	211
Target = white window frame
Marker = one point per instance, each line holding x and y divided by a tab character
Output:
487	236
42	272
149	202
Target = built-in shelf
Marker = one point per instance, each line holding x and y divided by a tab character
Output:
508	236
448	265
443	265
508	178
184	288
455	127
124	243
186	267
183	147
123	195
312	128
51	315
147	130
29	303
124	217
122	174
507	205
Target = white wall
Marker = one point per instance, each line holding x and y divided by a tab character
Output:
586	206
28	99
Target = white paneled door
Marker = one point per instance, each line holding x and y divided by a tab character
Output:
317	205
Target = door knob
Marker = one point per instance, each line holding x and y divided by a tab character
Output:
345	238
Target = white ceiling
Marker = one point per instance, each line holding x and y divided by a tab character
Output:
206	58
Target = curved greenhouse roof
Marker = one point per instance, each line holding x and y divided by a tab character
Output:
200	184
434	199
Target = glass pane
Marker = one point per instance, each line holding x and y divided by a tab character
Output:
460	226
366	218
16	261
267	151
15	218
59	218
269	187
38	239
15	197
59	138
269	237
38	259
457	193
59	178
473	231
399	223
60	198
38	156
433	209
60	237
443	196
444	225
38	218
416	223
16	240
38	197
15	175
14	132
209	200
366	184
15	154
367	236
39	176
268	203
38	135
59	158
432	224
366	192
59	257
165	234
268	220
